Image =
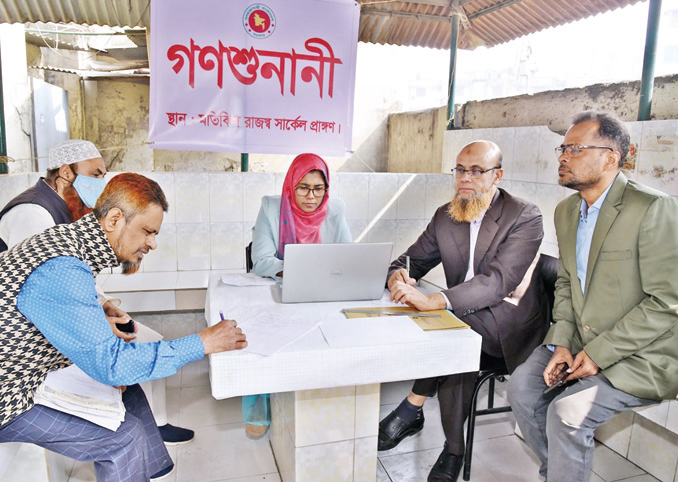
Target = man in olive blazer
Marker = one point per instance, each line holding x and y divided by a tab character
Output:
616	304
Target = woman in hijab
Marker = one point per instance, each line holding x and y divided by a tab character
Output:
303	214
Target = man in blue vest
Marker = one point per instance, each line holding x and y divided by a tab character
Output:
69	190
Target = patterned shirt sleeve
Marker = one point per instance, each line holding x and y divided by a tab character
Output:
60	299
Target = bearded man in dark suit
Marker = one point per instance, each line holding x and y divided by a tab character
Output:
488	243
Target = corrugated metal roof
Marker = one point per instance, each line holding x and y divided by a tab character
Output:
483	22
424	23
114	13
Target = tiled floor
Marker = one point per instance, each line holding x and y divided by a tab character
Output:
222	452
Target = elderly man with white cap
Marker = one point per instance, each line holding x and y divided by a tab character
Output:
74	180
69	190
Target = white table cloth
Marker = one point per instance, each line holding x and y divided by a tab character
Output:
310	363
325	401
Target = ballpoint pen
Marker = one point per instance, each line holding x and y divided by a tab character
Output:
407	265
221	315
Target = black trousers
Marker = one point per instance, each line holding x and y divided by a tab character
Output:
456	391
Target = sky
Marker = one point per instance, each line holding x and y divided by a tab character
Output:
606	48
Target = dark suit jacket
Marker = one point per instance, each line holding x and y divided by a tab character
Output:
505	255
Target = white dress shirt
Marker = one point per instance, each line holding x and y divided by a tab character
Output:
474	229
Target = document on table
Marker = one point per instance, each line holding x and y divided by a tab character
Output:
269	332
385	330
246	279
70	390
444	321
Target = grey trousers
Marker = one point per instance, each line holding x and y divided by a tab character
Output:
559	426
131	454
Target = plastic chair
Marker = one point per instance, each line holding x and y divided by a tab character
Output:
547	272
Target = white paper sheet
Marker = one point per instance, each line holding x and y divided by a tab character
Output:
382	330
246	279
385	300
71	390
269	332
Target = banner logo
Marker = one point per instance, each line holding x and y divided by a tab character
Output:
259	21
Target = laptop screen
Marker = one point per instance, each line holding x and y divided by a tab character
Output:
335	272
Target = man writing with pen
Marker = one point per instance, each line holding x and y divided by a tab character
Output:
50	318
488	243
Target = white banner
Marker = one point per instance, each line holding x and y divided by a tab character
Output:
237	76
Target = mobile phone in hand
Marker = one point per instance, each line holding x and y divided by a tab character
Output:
126	327
560	382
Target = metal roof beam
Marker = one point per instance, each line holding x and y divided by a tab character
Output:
493	8
391	13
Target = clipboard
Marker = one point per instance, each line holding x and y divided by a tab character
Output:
445	321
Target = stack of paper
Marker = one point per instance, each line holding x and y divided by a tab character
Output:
70	390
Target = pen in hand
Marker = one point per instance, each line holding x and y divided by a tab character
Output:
407	265
221	315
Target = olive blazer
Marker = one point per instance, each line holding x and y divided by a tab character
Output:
626	320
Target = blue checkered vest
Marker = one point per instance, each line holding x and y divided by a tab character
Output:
25	354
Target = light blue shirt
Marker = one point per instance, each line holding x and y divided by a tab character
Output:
60	299
587	225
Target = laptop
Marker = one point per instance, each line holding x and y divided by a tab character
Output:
335	272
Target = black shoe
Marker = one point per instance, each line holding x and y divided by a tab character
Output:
172	435
393	429
163	473
446	468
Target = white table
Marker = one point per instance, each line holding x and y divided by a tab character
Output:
325	401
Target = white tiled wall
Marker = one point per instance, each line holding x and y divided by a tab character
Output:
531	166
11	185
211	215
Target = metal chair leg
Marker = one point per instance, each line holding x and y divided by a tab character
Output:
474	412
470	428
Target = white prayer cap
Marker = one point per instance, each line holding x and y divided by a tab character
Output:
70	152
